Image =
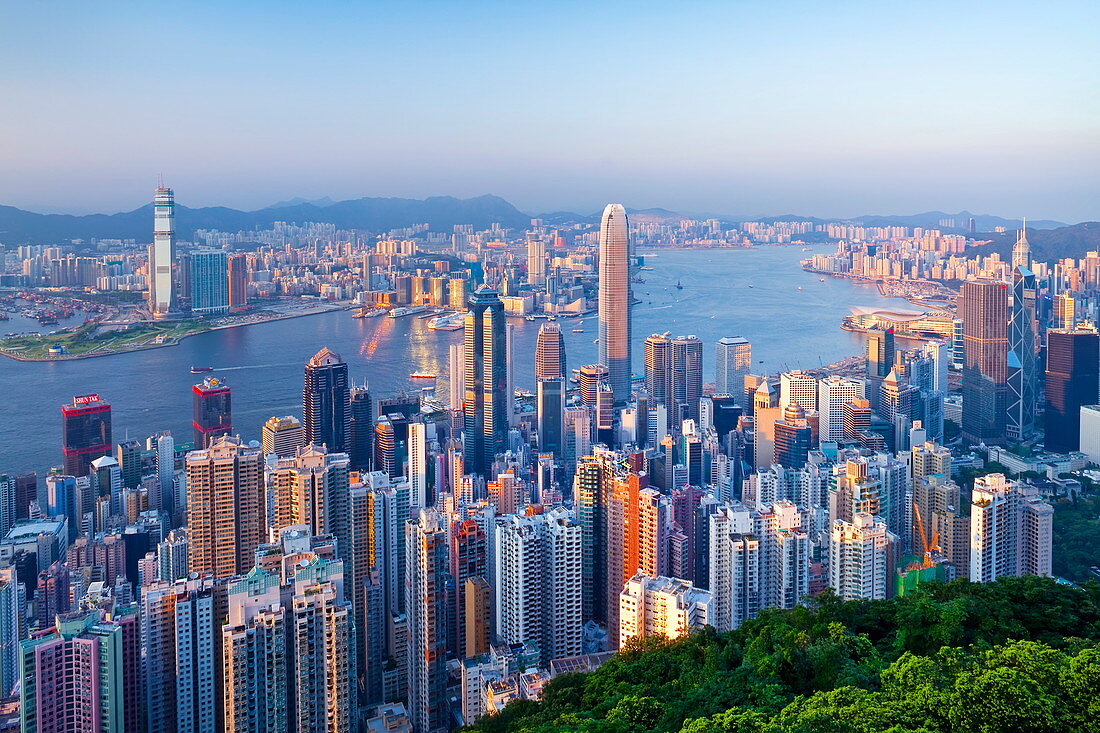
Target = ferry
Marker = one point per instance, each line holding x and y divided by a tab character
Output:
409	310
201	370
447	322
368	313
422	375
578	330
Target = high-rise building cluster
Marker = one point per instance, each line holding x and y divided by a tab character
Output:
414	564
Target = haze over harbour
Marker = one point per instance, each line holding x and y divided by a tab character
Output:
150	390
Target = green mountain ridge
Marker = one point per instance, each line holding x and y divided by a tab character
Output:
1020	654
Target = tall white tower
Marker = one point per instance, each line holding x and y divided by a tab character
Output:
162	294
614	299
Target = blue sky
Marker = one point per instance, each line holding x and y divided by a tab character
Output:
745	108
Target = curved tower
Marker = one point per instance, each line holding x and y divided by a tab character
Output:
549	353
614	299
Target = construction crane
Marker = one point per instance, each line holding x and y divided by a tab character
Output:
930	545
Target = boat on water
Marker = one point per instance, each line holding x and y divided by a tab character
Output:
422	375
407	310
447	322
578	330
367	313
821	279
799	287
201	370
679	285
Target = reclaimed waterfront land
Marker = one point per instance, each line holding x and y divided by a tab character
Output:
97	338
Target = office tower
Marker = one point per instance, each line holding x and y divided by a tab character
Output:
426	608
282	436
81	675
732	361
793	438
510	374
13	620
984	310
225	507
213	411
1073	363
1065	311
661	606
799	388
550	352
550	404
456	383
162	259
898	406
417	472
209	282
361	431
833	393
578	434
469	559
538	582
182	646
165	499
880	352
604	415
861	557
1023	347
85	432
589	379
487	403
106	479
614	299
1010	530
311	490
238	282
536	261
940	354
674	375
326	403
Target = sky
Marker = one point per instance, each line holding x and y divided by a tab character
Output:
740	107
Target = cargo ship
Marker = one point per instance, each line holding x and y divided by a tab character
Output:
201	370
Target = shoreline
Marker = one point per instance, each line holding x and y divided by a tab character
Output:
175	342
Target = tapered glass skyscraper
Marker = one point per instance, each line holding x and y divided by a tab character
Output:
1023	343
485	405
614	299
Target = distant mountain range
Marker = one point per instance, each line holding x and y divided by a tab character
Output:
379	215
1047	245
371	214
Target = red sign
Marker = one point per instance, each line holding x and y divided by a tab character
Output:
85	399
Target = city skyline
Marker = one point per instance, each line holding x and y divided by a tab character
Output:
980	110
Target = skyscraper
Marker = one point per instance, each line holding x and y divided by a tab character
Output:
550	399
209	282
614	299
674	375
536	261
861	558
661	606
550	352
326	405
213	411
984	310
732	361
1073	362
880	352
833	392
426	607
1010	530
162	294
486	404
538	582
282	436
85	432
238	282
225	507
361	438
1023	345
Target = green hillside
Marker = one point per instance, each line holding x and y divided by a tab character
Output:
1021	654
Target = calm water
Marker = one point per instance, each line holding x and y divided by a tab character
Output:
151	390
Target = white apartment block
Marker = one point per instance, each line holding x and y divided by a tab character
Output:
1010	530
661	606
860	557
832	394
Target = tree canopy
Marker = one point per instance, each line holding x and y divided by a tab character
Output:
1020	654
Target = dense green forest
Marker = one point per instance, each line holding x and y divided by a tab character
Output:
1021	654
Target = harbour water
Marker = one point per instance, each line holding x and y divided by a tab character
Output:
740	292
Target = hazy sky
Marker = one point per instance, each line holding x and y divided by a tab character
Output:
828	108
